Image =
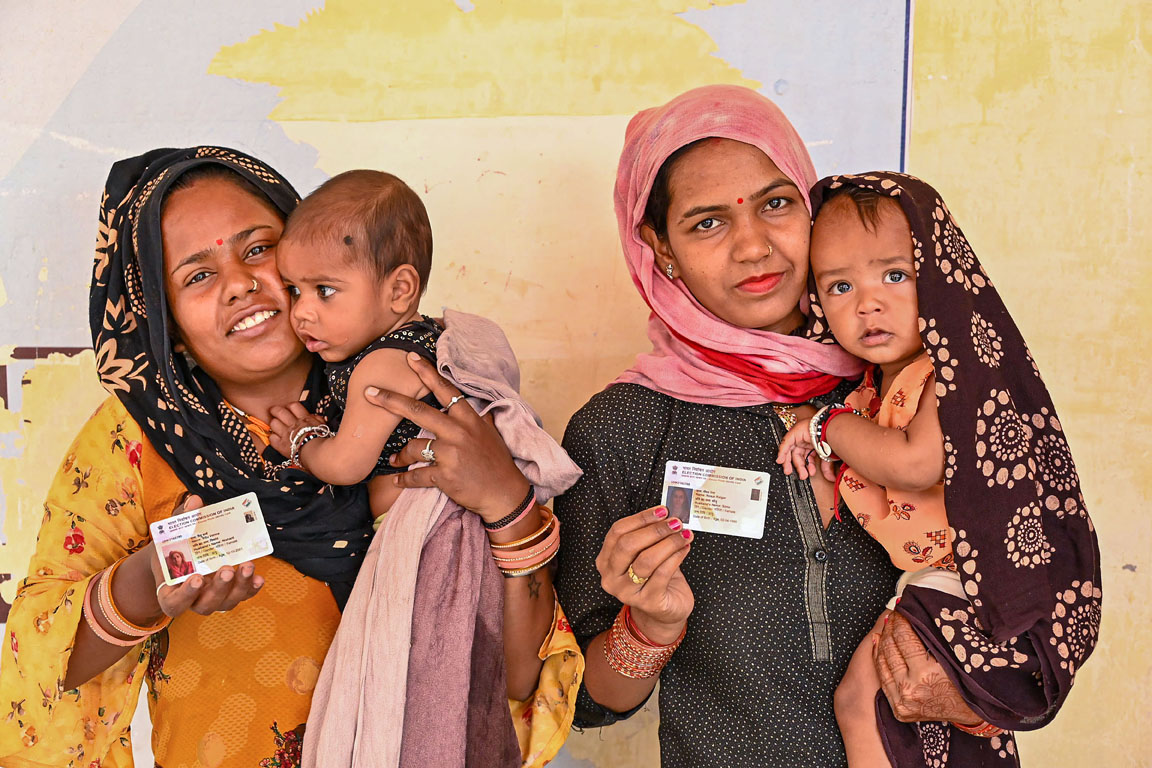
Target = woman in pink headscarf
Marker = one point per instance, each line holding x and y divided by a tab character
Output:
748	623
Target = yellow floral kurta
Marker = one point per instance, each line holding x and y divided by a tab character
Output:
226	689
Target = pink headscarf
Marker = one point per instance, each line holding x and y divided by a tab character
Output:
695	355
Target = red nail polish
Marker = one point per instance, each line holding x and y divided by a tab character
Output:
675	523
660	512
687	534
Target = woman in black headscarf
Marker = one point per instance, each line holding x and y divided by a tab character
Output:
192	337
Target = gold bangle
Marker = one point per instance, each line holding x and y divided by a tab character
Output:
982	729
548	519
530	569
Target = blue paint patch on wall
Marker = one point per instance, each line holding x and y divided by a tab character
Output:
836	68
148	87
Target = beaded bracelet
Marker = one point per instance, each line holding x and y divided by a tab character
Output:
305	435
818	428
632	656
983	729
113	615
89	612
515	515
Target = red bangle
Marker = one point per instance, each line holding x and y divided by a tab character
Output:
631	654
833	413
983	729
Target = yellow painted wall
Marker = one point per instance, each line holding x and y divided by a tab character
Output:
1034	119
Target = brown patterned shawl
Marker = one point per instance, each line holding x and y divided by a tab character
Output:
322	531
1024	544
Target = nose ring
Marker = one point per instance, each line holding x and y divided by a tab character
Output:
769	249
255	286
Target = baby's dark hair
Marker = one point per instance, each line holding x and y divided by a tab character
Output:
656	209
376	216
867	202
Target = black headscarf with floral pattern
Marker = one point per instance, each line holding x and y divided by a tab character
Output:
1024	545
322	531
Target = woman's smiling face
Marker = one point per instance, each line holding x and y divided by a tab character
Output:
738	233
218	239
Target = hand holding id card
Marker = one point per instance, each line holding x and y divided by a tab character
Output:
205	540
717	499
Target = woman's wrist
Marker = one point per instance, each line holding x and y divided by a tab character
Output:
532	520
659	632
630	652
134	588
505	497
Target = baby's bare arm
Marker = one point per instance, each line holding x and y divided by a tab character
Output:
911	458
347	457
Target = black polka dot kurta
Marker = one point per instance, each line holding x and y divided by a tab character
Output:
776	619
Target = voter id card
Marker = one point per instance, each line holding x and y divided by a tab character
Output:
713	499
205	540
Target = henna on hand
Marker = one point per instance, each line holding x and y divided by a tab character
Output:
914	683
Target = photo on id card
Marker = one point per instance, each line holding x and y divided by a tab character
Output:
715	499
205	540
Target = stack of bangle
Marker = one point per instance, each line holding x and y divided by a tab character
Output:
133	634
531	553
818	428
632	654
983	729
303	436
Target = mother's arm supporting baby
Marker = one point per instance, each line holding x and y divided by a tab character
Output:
474	468
348	456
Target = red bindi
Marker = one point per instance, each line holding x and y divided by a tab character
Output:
739	201
219	241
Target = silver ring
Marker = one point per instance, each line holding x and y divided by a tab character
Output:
451	403
428	454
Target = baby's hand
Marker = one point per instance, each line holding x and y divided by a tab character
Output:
286	421
796	451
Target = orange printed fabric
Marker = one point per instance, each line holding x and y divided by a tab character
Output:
911	525
226	689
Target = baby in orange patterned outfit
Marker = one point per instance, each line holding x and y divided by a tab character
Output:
887	433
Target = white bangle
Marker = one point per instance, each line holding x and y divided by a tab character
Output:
301	437
823	450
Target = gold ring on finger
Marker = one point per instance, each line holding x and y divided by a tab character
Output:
637	580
